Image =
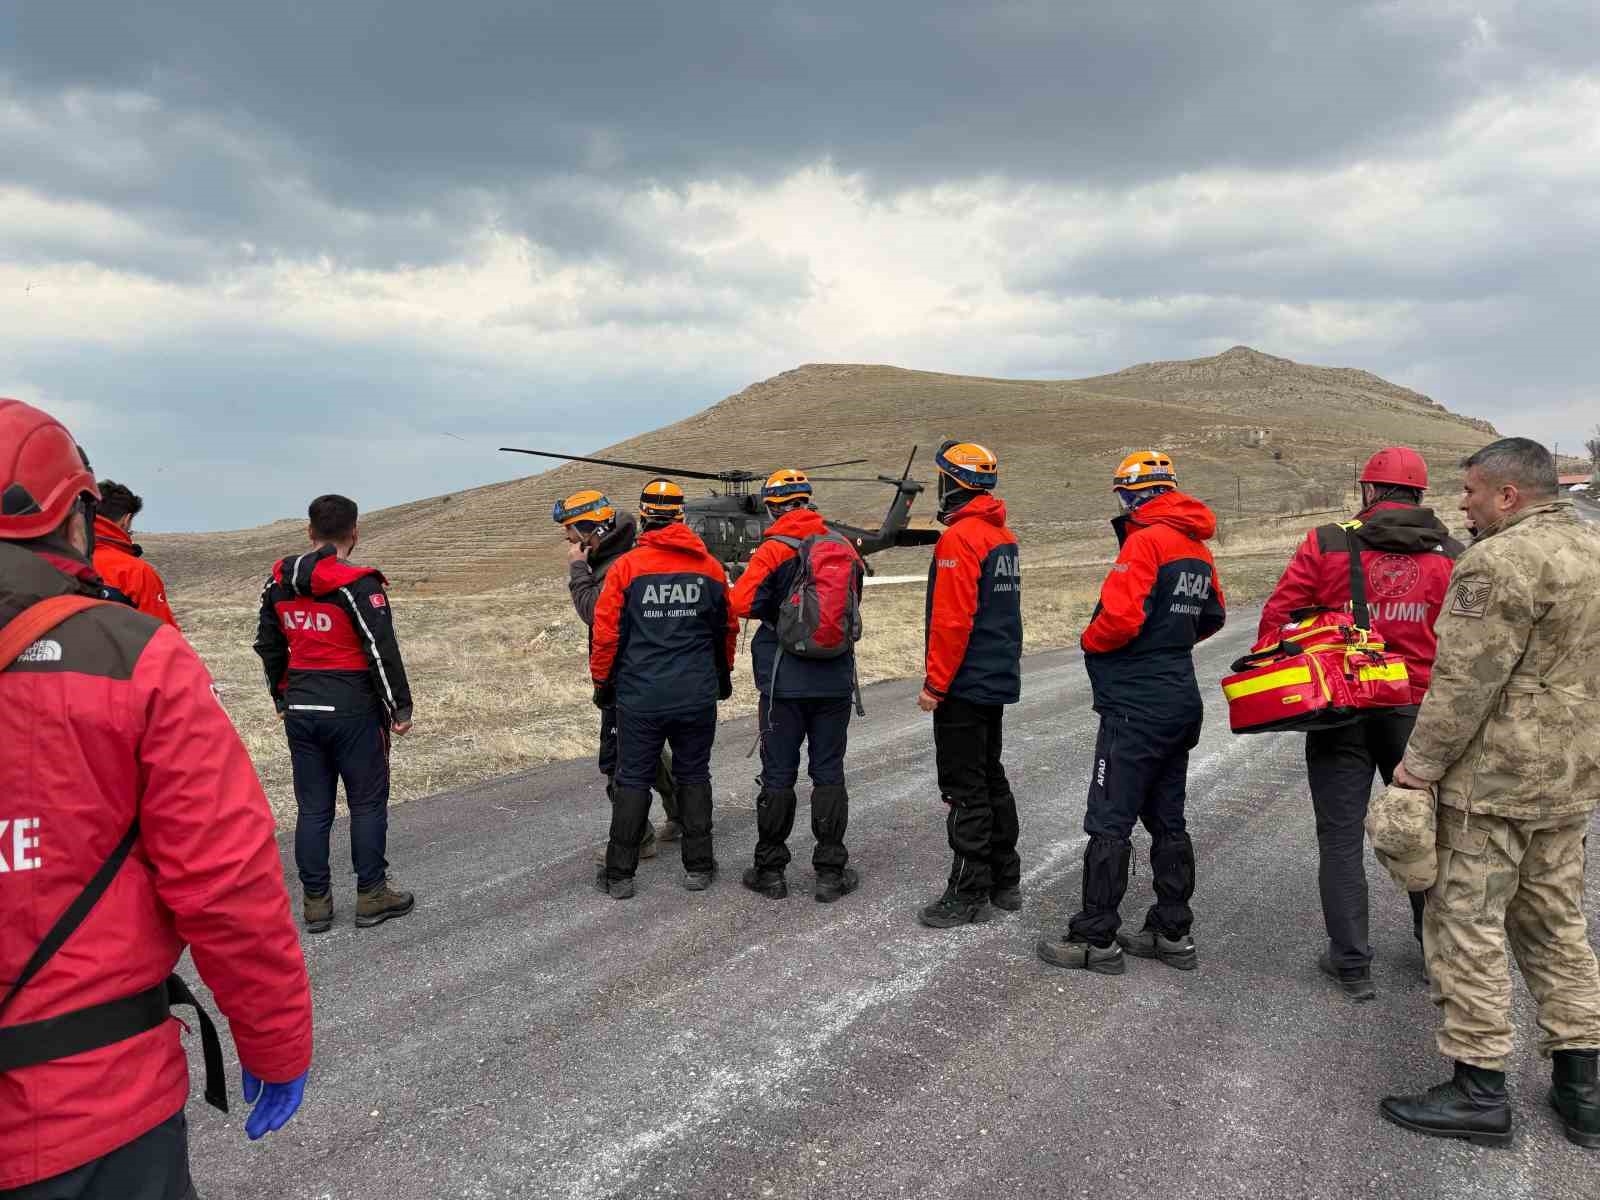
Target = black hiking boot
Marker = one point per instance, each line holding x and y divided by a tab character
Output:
1576	1095
1083	956
833	884
1176	952
699	881
949	911
1006	898
318	912
647	844
770	884
617	889
382	903
1471	1107
1355	982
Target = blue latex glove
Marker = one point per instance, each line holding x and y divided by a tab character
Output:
277	1102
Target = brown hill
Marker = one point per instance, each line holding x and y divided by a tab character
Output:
1251	434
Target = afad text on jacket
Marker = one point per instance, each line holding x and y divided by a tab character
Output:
1406	557
326	639
767	581
1161	597
121	723
664	636
973	624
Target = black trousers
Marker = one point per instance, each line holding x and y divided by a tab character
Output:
1339	764
322	751
607	762
154	1166
982	821
1140	774
641	736
822	724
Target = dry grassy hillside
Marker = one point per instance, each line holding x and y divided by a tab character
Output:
1252	434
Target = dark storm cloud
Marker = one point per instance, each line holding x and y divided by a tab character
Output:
318	129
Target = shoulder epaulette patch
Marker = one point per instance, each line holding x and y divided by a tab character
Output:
1471	598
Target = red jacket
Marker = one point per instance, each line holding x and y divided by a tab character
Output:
121	722
664	636
1406	556
120	563
973	619
1161	597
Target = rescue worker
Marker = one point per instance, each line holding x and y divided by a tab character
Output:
597	535
1406	555
973	670
119	560
1506	737
1161	597
326	639
803	700
132	827
662	649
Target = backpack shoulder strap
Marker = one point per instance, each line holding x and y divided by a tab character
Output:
784	539
34	622
1358	577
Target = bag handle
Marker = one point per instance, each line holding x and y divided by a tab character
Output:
37	620
1358	578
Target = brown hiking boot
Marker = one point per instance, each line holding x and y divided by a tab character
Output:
647	845
381	903
318	912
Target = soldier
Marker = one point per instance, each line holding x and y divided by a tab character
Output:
662	654
598	535
1405	556
974	669
1506	737
803	700
1160	598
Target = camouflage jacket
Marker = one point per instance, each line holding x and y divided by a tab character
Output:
1508	724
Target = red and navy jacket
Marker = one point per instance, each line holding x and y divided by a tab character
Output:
122	565
1161	597
973	626
326	639
114	719
767	581
663	635
1406	557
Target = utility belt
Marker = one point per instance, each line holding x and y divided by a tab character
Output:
100	1025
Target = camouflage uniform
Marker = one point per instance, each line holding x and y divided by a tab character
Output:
1505	734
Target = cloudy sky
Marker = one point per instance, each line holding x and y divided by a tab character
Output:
256	251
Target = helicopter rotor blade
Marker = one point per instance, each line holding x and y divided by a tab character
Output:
611	462
849	462
859	479
906	474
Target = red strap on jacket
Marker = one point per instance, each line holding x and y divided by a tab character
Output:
37	620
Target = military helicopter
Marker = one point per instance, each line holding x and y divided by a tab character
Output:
731	521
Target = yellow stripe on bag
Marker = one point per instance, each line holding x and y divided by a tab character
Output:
1265	683
1395	670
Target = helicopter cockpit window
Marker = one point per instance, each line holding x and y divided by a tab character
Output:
752	529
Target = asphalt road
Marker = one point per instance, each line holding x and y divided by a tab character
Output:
521	1034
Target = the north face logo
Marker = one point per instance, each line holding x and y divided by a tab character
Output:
44	650
672	593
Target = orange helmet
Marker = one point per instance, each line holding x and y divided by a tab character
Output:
43	472
587	505
1144	469
661	500
969	465
786	487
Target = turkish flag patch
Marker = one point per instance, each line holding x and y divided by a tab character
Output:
379	601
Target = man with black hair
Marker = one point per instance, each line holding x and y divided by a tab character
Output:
326	638
119	559
597	535
1405	556
1506	740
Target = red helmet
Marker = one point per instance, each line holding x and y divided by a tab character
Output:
42	472
1397	465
